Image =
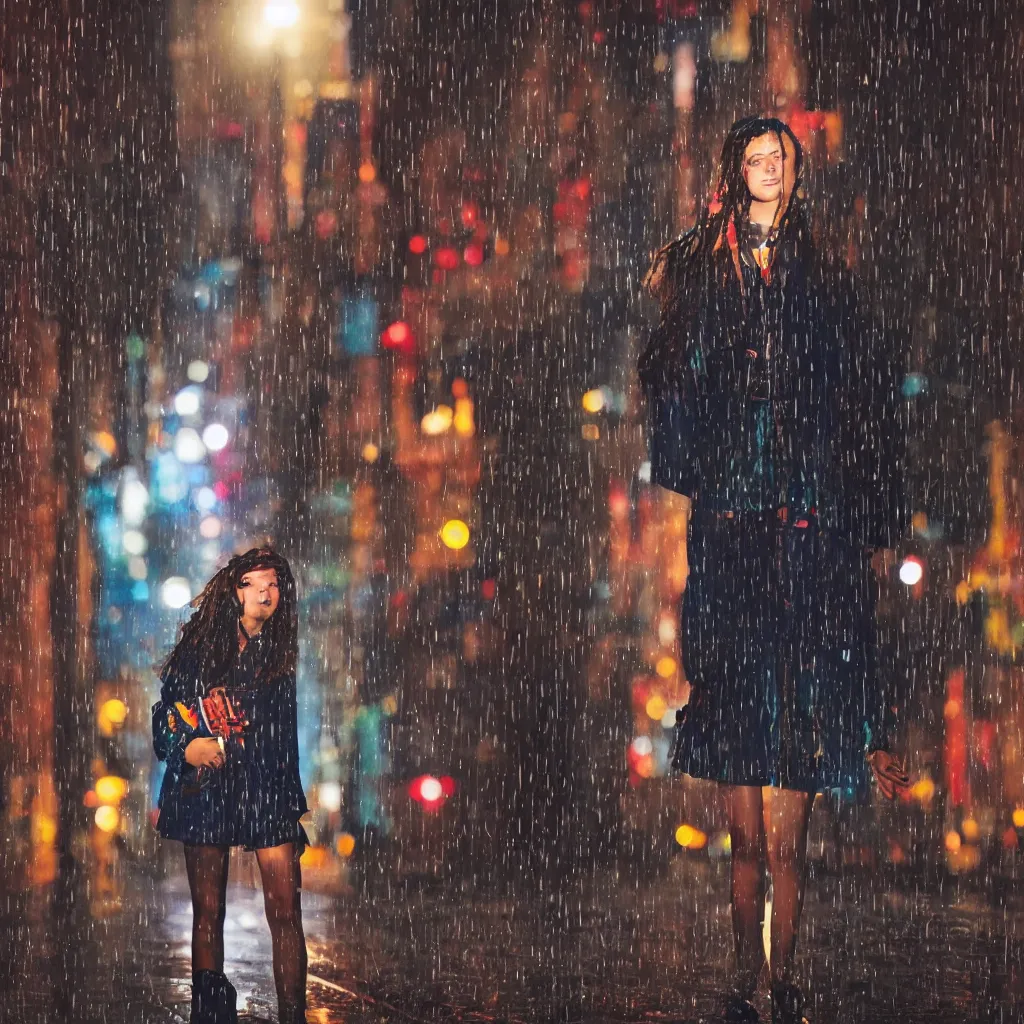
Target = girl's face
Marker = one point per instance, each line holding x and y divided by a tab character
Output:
762	168
259	595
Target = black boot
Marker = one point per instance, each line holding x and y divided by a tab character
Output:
787	1004
213	999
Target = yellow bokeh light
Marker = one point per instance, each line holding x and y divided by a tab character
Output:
923	790
437	421
370	452
666	666
464	425
114	711
970	829
591	432
645	766
346	844
390	705
111	789
455	534
593	400
501	246
656	707
105	442
367	172
107	818
44	829
690	838
953	841
1018	817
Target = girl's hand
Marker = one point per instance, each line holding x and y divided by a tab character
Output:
888	772
204	752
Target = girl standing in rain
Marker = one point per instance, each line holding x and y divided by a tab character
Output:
226	726
773	414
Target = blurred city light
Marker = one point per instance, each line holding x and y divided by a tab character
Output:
417	245
428	791
593	400
656	707
176	592
215	437
642	746
205	499
210	528
188	446
134	542
329	796
690	838
455	534
281	13
666	666
399	337
134	498
198	371
137	568
345	844
437	421
187	401
111	789
367	172
370	452
911	571
107	818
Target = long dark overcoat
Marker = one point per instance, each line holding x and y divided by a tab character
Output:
774	405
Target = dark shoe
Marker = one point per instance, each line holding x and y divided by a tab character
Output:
787	1004
213	999
739	1011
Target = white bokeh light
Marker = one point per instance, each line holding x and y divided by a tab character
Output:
188	446
186	401
176	592
215	437
198	371
911	572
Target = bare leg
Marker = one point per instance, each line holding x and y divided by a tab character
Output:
787	813
746	833
207	868
282	882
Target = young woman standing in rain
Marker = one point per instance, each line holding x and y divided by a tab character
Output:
773	415
226	726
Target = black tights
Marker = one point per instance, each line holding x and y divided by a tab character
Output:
766	825
279	868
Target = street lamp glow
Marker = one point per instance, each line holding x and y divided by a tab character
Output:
911	571
215	437
455	534
281	13
186	401
176	592
198	371
188	446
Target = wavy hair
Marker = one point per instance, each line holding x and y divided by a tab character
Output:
209	640
676	268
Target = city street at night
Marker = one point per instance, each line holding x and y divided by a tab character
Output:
511	511
611	952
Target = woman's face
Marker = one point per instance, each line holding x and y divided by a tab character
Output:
259	595
762	168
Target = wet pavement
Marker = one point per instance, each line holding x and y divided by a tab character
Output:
610	951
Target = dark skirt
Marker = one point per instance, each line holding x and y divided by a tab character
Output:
256	799
778	647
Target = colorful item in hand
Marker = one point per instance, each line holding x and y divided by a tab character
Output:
213	716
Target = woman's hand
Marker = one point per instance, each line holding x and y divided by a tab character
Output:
888	772
205	752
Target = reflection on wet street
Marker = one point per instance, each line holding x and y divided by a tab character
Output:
610	952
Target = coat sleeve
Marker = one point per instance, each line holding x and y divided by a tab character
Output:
171	732
670	387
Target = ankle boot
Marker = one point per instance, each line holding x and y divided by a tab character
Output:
213	999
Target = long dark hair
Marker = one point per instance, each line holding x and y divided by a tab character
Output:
676	267
209	640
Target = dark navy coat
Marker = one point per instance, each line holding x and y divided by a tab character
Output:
256	799
775	407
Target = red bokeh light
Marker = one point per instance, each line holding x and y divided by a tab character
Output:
488	588
417	245
399	337
429	791
447	258
473	255
470	214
